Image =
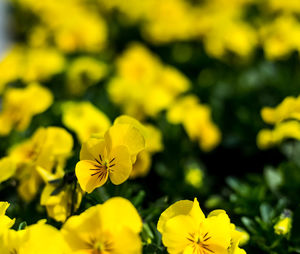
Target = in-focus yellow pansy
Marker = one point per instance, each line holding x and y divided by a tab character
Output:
185	229
61	195
111	228
21	104
84	119
47	148
84	72
112	155
37	238
5	221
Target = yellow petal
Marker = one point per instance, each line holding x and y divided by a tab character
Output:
87	181
219	230
126	135
127	241
182	207
177	230
91	149
118	212
7	168
142	165
120	168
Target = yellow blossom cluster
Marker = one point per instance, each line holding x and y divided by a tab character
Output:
196	120
285	118
47	148
112	227
223	26
84	30
123	150
143	85
185	229
19	105
28	64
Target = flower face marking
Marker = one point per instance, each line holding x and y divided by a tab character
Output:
103	167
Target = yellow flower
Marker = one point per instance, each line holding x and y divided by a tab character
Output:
37	238
197	121
185	229
84	72
289	108
111	156
48	147
194	177
84	119
113	227
267	138
284	224
5	221
144	86
61	194
21	104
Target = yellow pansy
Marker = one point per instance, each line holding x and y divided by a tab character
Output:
21	104
176	113
37	238
84	119
61	195
267	138
113	227
289	108
197	121
112	155
144	86
185	229
48	147
84	72
5	221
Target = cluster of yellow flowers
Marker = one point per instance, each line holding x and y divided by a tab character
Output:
143	86
28	64
48	149
196	119
18	109
112	227
85	31
221	25
285	118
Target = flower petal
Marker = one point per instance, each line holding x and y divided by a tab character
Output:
88	182
121	166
